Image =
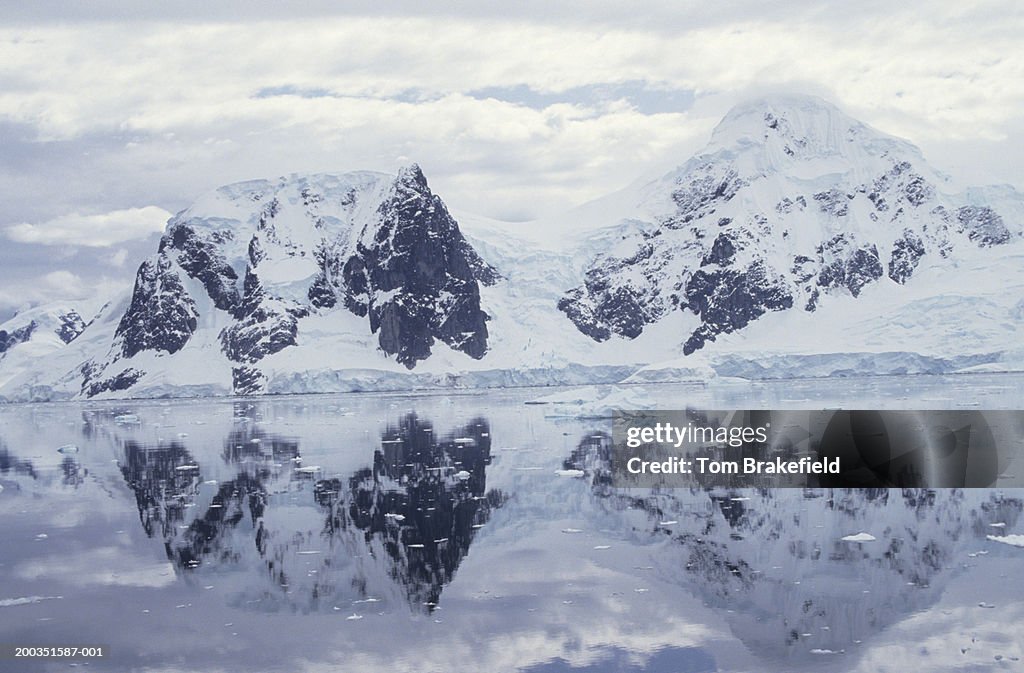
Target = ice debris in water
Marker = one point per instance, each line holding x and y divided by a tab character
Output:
24	600
462	475
859	537
569	473
68	448
1014	540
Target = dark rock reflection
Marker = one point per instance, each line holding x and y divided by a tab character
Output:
11	464
397	528
781	564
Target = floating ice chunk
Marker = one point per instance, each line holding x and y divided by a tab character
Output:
998	524
353	617
571	530
819	650
671	522
602	546
462	475
42	536
308	552
569	473
859	537
744	499
308	470
186	468
1014	540
396	517
126	419
68	448
415	546
25	600
983	604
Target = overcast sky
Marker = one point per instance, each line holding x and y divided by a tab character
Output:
115	115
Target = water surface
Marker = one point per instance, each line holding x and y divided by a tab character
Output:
448	532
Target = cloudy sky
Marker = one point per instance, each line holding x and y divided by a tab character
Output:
113	115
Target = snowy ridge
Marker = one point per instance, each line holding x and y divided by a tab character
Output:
799	243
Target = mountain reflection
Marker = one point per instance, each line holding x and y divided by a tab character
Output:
775	561
164	479
9	463
293	538
422	500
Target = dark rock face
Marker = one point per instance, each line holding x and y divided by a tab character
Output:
263	325
162	316
845	265
729	299
984	226
247	380
121	381
906	253
9	340
722	250
576	305
833	202
613	300
415	278
709	185
71	325
198	255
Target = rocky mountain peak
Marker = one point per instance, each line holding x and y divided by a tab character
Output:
791	202
252	260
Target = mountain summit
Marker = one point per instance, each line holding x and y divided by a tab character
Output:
793	203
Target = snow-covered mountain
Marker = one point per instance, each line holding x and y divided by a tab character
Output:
792	206
800	242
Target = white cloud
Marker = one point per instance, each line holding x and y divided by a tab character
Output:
97	231
119	258
187	106
86	293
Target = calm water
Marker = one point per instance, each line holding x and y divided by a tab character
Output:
436	533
